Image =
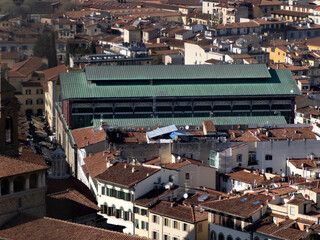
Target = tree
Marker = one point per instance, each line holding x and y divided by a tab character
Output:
52	58
41	47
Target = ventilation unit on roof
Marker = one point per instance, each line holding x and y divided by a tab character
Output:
256	202
243	199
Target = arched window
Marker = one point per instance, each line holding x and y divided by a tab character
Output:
256	238
238	238
29	102
39	101
221	236
229	237
213	235
33	181
18	184
5	187
8	128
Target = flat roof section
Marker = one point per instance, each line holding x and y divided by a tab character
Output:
165	72
195	121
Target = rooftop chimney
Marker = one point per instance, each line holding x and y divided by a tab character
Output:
133	170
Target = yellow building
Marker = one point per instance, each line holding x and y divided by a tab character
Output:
277	54
52	91
31	98
169	220
313	44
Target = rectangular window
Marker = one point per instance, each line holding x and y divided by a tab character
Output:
239	158
28	92
268	157
136	223
154	235
185	227
187	176
175	225
292	210
166	222
39	91
155	219
144	212
166	237
103	190
136	210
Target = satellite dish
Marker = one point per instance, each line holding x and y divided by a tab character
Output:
187	127
185	196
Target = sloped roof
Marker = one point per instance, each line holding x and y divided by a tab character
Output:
26	227
243	206
87	136
26	67
69	204
180	212
52	74
13	166
122	174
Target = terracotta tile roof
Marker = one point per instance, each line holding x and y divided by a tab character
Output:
52	74
290	13
60	185
138	136
9	55
97	163
247	136
281	231
243	206
155	161
123	174
29	156
297	201
25	68
152	197
209	126
282	190
302	163
247	177
177	211
14	166
27	227
184	161
88	136
193	200
69	205
253	135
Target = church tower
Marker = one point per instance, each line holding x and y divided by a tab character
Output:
9	107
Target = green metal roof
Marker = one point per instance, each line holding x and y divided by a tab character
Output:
74	85
147	72
241	120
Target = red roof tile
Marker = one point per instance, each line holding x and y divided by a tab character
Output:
243	206
184	213
52	74
69	204
14	166
87	136
122	174
25	227
25	68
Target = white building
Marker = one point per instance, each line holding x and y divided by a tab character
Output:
122	183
